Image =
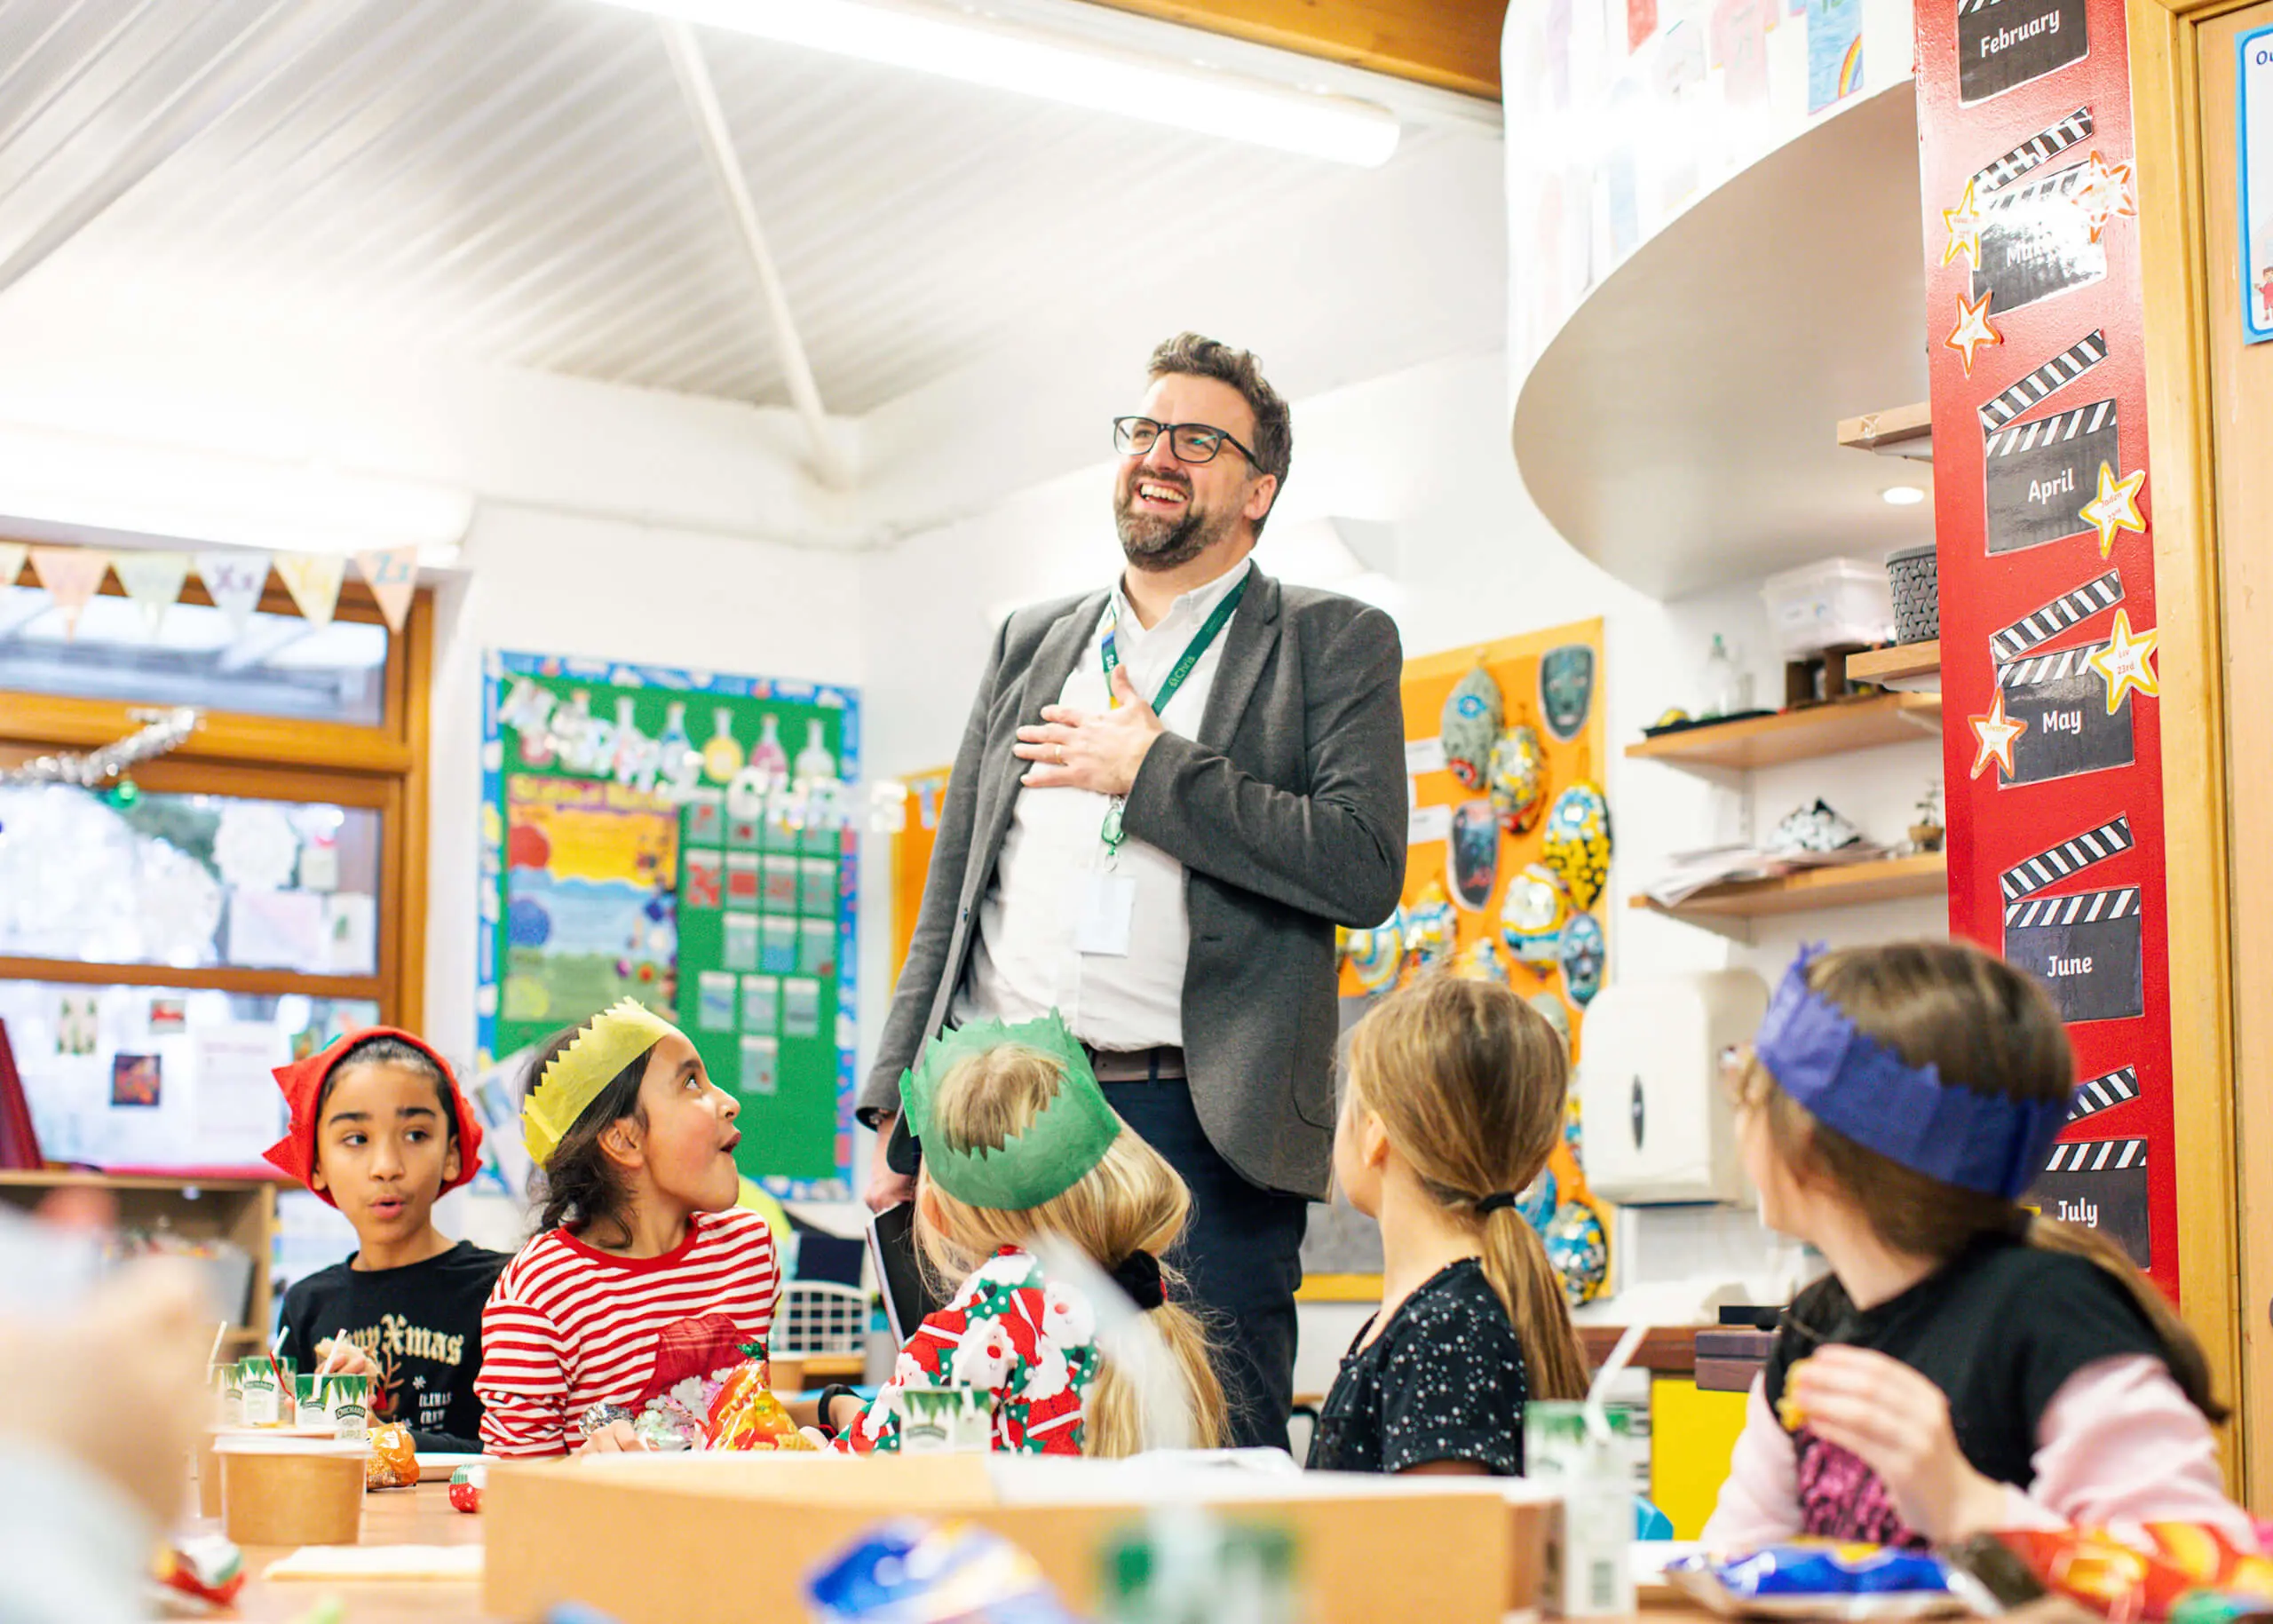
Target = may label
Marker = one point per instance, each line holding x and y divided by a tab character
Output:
2063	702
2038	475
2085	949
2101	1185
2004	43
2036	241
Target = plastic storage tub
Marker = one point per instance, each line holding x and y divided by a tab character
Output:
1838	603
1913	577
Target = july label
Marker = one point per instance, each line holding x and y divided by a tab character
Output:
2040	474
2036	241
2099	1185
2084	948
2004	43
2064	703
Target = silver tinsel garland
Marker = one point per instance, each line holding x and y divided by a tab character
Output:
166	732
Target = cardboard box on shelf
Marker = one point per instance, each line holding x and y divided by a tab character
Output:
719	1538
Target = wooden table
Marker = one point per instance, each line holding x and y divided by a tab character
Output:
422	1516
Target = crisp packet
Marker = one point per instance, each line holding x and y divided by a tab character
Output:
909	1571
668	1427
2142	1577
1826	1580
747	1415
393	1462
206	1566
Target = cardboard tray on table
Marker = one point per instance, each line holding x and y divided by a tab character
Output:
719	1538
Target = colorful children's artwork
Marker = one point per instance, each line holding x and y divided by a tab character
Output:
136	1080
1835	52
623	860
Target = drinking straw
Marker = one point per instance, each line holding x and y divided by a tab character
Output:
1597	1420
220	1333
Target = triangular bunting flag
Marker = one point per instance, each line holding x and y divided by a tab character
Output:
234	581
153	579
72	575
393	574
12	555
313	578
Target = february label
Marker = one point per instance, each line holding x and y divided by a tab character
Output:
2004	43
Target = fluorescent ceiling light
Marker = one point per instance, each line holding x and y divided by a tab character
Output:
1004	56
1903	496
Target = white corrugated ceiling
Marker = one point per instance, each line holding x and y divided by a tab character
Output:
518	180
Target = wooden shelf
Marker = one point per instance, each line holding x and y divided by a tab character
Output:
1926	874
1915	667
1904	431
41	1178
1798	735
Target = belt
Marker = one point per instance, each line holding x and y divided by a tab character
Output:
1135	1065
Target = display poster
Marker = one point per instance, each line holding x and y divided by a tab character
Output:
2044	530
685	839
2253	128
1506	878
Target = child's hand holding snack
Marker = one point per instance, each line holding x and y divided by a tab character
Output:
1897	1423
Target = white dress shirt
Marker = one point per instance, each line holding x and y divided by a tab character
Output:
1024	963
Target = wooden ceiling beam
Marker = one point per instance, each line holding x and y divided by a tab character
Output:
1452	44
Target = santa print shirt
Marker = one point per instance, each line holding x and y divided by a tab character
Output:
570	1326
1028	1340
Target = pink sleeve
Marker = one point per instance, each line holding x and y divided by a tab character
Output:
1760	1502
2120	1445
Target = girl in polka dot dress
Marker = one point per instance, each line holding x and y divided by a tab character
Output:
1454	1099
1018	1143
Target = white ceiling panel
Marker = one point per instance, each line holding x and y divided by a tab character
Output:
518	181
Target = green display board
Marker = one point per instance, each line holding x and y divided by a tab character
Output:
685	840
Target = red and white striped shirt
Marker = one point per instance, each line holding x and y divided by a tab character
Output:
569	1327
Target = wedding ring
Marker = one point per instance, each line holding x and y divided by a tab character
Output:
1061	754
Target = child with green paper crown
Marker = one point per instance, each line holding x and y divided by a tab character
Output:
1018	1143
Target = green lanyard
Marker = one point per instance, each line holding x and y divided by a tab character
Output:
1109	657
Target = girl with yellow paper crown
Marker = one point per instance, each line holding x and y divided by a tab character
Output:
1018	1143
644	1274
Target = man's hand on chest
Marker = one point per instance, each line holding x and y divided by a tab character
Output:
1099	751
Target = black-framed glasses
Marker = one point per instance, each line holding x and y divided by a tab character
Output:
1192	442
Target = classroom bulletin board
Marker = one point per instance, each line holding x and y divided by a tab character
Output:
680	838
1507	872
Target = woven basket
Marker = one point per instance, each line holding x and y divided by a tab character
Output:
1915	585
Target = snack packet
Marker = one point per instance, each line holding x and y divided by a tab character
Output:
746	1414
908	1571
206	1566
393	1462
2136	1580
1826	1580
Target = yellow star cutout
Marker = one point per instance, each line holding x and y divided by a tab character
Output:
2116	507
1973	329
1964	226
1993	735
2105	192
2128	662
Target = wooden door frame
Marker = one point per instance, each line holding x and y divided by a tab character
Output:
2176	283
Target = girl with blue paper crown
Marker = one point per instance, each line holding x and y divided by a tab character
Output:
1966	1366
1018	1143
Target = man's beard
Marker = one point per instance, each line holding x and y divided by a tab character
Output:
1156	545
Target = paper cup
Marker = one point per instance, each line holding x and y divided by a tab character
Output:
286	1490
209	1476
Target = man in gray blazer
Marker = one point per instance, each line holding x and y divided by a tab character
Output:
1168	794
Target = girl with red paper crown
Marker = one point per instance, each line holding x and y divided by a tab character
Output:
1018	1145
1967	1365
643	1276
380	1130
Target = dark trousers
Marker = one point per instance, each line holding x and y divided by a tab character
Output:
1242	1255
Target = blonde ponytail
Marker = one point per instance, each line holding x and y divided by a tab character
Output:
1470	1082
1131	1201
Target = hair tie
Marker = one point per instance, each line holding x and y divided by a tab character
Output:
1494	1203
1139	1275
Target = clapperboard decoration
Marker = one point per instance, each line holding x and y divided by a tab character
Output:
2004	43
2037	240
2040	474
2067	860
2062	370
2100	1185
2040	626
2115	1089
2037	150
2084	947
2063	702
